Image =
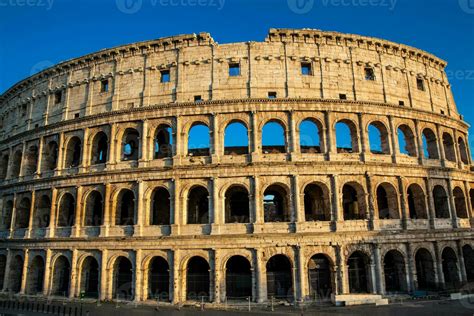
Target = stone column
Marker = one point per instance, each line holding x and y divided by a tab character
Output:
330	141
138	227
257	199
219	280
112	160
378	282
336	211
303	291
439	136
419	144
116	85
179	144
216	148
298	213
364	147
138	284
52	215
90	90
13	219
430	204
32	211
176	278
145	143
104	229
86	148
176	208
73	285
371	213
293	138
261	277
452	204
403	202
76	229
393	139
470	214
47	273
22	163
438	267
6	280
255	144
410	269
26	262
40	156
462	266
104	289
216	212
61	155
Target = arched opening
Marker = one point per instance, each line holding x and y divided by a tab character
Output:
4	166
89	286
197	279
359	271
16	274
347	140
279	278
448	145
43	209
236	141
450	268
463	151
100	148
316	203
159	279
430	145
320	277
199	140
94	209
35	276
61	275
406	141
163	142
73	153
238	278
468	255
276	204
50	156
353	202
16	164
67	210
6	219
425	270
416	202
22	217
441	202
123	278
125	208
130	144
394	271
378	138
237	205
161	207
460	202
387	202
198	205
3	267
31	160
273	138
310	136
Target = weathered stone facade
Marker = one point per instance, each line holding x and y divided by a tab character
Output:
101	196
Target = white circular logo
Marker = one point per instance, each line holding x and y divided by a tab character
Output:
300	6
129	6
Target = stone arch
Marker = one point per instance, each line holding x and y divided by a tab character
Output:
89	280
448	145
163	142
406	140
425	269
449	261
3	269
7	212
61	277
198	279
160	207
236	140
416	202
358	265
158	279
238	278
276	203
274	137
125	208
130	144
94	209
353	201
100	148
387	201
22	213
279	277
16	274
66	210
463	151
321	276
16	164
317	202
30	163
42	213
198	205
122	278
430	144
394	272
468	255
347	138
460	202
49	156
379	141
35	276
237	204
441	202
311	136
4	166
199	139
73	152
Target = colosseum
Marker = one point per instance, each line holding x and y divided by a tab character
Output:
312	166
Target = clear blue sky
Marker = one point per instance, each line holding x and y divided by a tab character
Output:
35	34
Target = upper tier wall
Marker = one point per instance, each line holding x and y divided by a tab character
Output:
200	67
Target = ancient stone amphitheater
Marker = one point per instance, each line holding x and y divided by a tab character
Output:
103	194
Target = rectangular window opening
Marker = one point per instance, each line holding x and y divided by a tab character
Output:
234	69
58	97
104	85
402	103
197	98
420	84
369	74
342	96
76	115
165	76
272	95
306	69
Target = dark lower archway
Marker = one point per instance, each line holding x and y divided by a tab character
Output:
394	271
35	277
61	275
425	270
320	277
450	268
90	278
359	271
159	279
123	278
238	278
468	254
197	279
16	274
3	266
279	278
